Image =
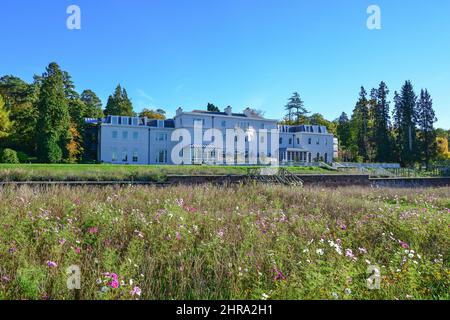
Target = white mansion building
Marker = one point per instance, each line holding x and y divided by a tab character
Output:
217	138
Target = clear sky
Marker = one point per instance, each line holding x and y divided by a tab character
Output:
171	53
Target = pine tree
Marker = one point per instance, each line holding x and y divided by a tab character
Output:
299	106
53	123
93	104
119	104
343	130
212	108
360	125
381	124
296	109
405	116
425	119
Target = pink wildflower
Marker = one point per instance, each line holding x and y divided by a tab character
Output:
136	291
52	264
62	241
178	235
77	250
114	284
93	230
190	209
349	254
279	275
404	245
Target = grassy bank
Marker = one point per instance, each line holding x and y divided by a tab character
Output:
265	242
80	172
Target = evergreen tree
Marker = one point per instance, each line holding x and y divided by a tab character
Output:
296	108
69	87
92	103
360	126
54	119
405	117
119	104
212	108
343	131
425	119
381	124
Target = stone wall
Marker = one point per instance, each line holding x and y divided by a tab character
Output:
332	181
411	182
335	180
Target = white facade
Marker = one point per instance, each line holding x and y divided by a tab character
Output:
252	139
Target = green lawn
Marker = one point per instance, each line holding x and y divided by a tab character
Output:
91	172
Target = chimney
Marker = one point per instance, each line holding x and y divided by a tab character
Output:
228	110
179	111
248	112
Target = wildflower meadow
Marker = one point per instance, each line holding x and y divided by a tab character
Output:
209	242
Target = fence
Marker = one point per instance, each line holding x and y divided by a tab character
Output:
421	172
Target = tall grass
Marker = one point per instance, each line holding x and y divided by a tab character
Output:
208	242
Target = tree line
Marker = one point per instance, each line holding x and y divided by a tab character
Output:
43	121
374	133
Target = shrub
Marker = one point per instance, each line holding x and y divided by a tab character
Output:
23	157
9	156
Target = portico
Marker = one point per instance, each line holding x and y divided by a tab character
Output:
295	155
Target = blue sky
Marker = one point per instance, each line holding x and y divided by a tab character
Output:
171	53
